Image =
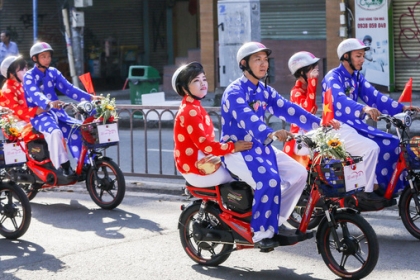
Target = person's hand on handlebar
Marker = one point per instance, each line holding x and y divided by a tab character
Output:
281	135
372	112
56	104
411	108
5	110
335	124
242	145
96	97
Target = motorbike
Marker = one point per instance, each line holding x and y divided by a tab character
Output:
217	223
408	165
104	179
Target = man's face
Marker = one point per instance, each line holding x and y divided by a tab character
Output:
367	43
44	58
368	54
258	62
3	37
357	58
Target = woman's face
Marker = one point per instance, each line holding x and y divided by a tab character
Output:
21	72
198	86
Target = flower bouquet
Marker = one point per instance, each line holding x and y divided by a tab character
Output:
329	145
105	110
334	168
12	128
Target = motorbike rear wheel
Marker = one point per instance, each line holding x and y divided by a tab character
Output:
31	190
106	184
409	215
358	251
204	252
15	211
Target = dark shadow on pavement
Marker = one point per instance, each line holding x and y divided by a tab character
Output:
20	254
105	223
237	272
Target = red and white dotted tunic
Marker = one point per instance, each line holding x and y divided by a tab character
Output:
12	96
305	98
194	132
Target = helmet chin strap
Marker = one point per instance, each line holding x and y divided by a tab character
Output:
348	59
39	65
253	75
303	75
193	96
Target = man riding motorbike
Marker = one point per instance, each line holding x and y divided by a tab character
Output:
347	85
277	179
40	85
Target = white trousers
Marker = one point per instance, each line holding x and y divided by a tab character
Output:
357	145
293	177
221	176
56	147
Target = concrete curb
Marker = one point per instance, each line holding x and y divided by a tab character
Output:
131	186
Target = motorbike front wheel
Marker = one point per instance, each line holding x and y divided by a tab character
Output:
106	184
356	254
409	215
203	252
296	217
15	211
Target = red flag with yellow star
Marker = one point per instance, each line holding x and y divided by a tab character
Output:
327	108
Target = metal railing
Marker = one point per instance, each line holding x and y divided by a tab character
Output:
143	128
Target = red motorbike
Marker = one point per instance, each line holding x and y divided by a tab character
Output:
217	223
104	179
408	165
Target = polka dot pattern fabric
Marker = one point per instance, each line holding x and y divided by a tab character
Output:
47	122
40	87
304	96
346	91
193	132
244	106
12	96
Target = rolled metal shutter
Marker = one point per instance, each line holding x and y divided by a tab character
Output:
291	19
406	42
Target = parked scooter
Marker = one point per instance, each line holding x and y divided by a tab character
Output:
104	179
217	223
409	201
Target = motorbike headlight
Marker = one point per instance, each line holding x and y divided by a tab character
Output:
85	106
405	118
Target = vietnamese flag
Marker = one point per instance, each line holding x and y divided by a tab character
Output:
327	109
407	92
87	82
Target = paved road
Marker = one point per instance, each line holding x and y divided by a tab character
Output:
70	238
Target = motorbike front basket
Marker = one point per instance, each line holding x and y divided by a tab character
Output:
328	174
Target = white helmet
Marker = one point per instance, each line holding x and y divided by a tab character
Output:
349	45
40	47
6	64
300	60
175	76
250	48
